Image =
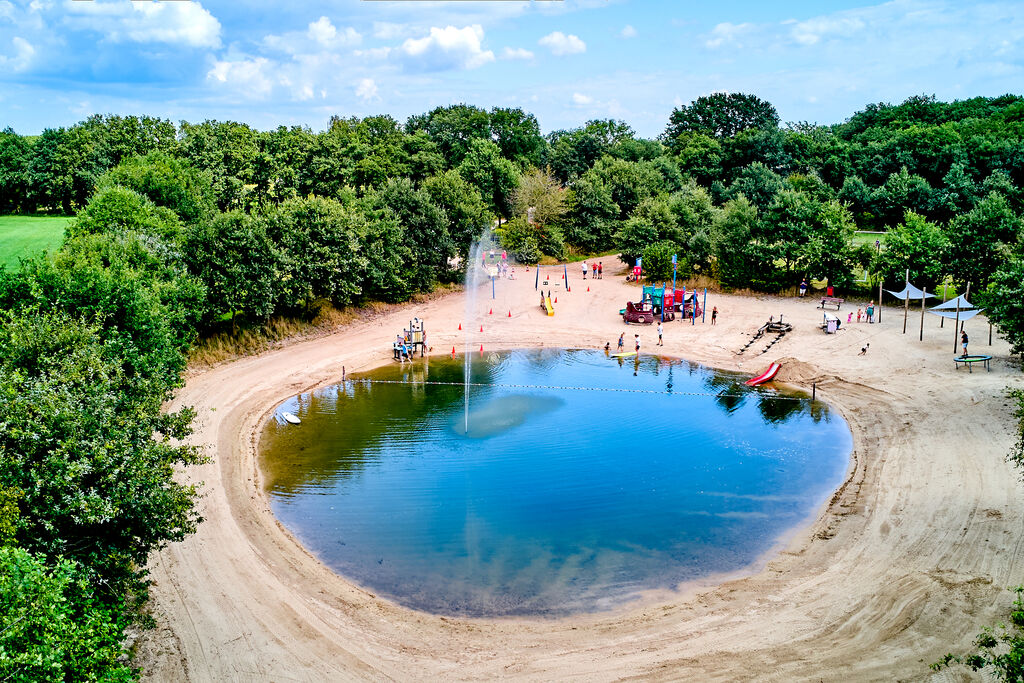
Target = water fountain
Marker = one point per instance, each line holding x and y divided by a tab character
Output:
475	276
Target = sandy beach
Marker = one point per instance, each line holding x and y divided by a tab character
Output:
909	558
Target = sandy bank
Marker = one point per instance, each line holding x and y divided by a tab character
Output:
910	556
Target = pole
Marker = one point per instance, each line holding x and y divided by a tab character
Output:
967	295
693	311
565	270
492	286
921	337
990	333
682	308
704	310
956	324
673	277
536	279
906	302
880	300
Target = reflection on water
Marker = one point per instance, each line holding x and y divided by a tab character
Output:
587	482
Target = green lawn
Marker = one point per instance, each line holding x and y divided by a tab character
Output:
22	236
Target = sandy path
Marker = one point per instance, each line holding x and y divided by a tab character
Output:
912	554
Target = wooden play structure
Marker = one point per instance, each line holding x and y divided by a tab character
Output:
778	328
412	338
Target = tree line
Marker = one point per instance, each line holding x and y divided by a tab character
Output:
180	230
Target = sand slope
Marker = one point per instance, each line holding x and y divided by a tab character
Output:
910	556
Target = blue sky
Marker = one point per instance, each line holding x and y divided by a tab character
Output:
276	62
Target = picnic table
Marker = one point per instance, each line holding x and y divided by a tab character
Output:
831	301
970	360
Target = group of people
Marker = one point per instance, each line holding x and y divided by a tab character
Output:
596	270
868	314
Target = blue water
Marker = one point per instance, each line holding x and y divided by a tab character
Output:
559	499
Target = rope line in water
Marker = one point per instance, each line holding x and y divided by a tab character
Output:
562	388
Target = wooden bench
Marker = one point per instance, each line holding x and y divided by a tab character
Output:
970	360
831	301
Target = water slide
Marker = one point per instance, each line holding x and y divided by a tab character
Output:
766	376
548	306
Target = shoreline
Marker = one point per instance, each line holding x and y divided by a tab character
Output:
243	595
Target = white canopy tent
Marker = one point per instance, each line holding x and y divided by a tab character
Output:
911	292
958	309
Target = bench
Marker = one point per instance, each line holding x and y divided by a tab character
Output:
831	301
969	360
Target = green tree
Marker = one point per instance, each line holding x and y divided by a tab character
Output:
721	115
517	135
593	215
1002	302
541	196
15	153
167	182
234	258
465	210
914	245
981	240
424	232
494	176
699	156
454	129
118	209
758	183
658	261
53	626
227	150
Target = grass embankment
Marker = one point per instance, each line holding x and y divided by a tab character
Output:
24	236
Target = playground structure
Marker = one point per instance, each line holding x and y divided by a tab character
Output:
766	376
642	312
545	303
778	328
413	337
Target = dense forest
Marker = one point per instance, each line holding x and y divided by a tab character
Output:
180	230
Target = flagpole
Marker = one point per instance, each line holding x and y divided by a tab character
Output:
921	338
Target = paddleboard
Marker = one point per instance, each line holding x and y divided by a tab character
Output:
290	418
624	355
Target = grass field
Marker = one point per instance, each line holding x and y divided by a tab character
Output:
22	236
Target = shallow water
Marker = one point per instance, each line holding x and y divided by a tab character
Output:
582	480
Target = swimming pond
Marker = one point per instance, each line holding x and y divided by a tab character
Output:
582	482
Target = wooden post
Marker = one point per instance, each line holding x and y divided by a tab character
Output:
921	338
814	390
906	302
990	333
956	325
880	300
967	295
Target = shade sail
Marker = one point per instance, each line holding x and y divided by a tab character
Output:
964	314
911	292
960	302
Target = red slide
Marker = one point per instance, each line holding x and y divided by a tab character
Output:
766	376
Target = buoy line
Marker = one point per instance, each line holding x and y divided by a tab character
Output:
368	382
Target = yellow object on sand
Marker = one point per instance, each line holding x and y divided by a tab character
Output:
548	306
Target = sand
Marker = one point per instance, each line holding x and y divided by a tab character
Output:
909	557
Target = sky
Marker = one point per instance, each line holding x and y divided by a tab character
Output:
275	62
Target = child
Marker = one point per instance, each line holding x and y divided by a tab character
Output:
714	315
621	341
849	318
858	315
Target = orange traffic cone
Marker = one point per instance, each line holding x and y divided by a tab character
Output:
510	312
481	328
460	327
556	299
481	349
588	288
490	312
453	350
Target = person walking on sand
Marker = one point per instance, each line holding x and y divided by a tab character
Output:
963	341
621	341
661	330
714	315
584	270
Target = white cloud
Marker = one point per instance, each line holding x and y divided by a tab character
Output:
386	30
627	32
366	90
176	23
246	76
319	35
561	44
581	100
811	31
20	59
516	53
728	34
446	48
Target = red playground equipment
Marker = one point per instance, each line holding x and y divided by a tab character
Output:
642	312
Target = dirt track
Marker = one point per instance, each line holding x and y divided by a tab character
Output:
910	557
